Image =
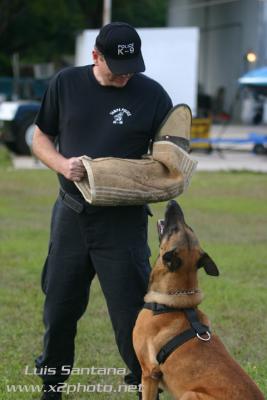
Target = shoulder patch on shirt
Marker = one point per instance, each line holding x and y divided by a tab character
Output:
119	115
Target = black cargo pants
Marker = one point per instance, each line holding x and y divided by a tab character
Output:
110	242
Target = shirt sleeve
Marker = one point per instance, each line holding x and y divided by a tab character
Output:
48	116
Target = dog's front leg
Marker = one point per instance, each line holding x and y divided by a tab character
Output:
149	388
150	382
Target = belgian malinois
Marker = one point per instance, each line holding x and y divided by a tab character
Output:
200	368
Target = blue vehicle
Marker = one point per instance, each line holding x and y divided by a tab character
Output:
256	81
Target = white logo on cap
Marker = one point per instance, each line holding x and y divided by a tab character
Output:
125	49
118	115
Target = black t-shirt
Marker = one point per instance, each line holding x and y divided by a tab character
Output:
101	121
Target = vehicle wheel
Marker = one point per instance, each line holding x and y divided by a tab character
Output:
259	149
24	137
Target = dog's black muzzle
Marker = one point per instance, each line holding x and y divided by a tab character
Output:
173	216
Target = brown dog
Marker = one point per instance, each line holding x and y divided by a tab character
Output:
200	368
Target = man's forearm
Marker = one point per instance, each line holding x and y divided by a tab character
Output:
44	149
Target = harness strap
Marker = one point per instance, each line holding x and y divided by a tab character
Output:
197	329
194	321
159	308
177	341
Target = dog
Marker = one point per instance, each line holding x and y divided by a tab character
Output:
200	368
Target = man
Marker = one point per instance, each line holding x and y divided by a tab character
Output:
105	109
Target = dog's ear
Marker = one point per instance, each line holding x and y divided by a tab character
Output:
171	260
208	264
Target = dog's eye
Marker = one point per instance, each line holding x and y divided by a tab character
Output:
172	261
176	263
167	257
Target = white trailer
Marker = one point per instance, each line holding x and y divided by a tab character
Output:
171	58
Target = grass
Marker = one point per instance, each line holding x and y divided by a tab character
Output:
5	157
229	213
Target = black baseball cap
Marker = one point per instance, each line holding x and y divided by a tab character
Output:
121	46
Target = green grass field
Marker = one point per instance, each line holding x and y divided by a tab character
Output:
228	211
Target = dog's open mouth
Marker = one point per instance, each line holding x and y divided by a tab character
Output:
160	228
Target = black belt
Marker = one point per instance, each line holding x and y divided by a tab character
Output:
70	202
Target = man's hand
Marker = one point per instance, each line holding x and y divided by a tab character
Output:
73	169
44	148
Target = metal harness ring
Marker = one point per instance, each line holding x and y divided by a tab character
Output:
203	338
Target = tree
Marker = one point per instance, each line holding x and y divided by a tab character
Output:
140	13
43	30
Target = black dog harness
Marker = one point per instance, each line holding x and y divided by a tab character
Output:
197	329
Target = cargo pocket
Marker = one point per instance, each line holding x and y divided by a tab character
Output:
44	271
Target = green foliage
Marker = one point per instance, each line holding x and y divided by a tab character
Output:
140	13
5	157
43	30
39	28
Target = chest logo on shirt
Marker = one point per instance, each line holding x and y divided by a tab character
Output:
119	115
